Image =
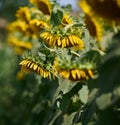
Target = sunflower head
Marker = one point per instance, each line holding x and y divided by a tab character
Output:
30	66
94	26
23	13
71	73
37	66
76	74
40	63
19	45
107	9
66	19
18	25
68	40
38	25
43	5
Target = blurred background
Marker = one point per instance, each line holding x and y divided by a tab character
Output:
9	85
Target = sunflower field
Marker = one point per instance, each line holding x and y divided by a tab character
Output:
58	67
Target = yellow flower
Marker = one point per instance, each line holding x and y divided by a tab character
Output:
38	25
18	43
32	1
73	74
94	27
43	5
23	13
66	20
76	74
107	9
66	41
18	25
30	32
65	74
28	65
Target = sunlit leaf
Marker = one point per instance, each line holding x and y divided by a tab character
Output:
83	93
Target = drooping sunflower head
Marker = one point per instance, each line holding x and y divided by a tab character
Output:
23	13
76	74
38	25
72	73
19	26
62	41
39	64
19	45
31	66
107	9
76	66
94	27
43	5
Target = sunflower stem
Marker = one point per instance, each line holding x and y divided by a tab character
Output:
71	25
51	50
114	27
73	52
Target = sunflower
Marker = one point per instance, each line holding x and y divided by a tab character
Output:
66	41
32	1
66	19
76	74
18	43
43	5
38	25
29	65
23	13
94	27
73	74
107	9
18	25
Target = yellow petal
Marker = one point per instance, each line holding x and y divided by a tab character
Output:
73	72
63	43
71	40
59	42
35	66
90	73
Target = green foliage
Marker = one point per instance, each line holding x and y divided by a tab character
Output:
31	99
56	16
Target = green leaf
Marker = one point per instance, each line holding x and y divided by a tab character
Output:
68	119
56	16
88	112
66	98
76	118
83	93
65	85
